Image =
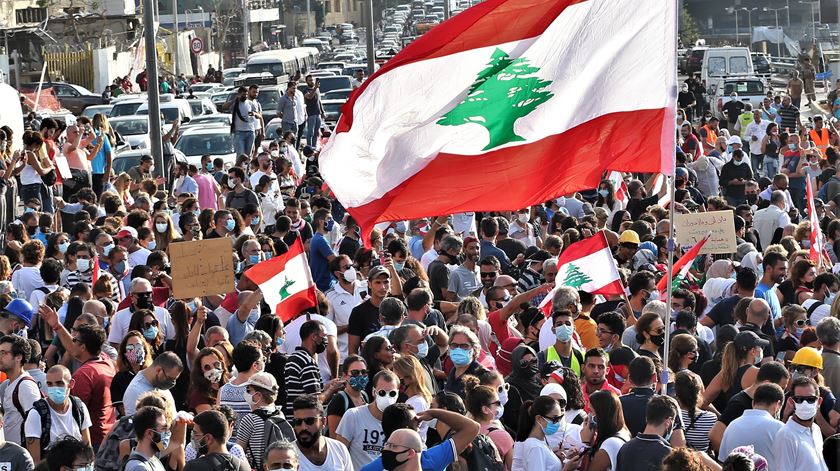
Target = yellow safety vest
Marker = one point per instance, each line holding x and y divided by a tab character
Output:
551	354
745	119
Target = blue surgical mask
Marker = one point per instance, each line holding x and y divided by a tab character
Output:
422	349
196	212
230	225
255	221
792	146
328	226
63	247
359	383
604	193
151	333
152	245
280	341
209	166
399	266
267	255
120	267
164	438
57	394
551	428
460	357
254	259
564	333
107	249
728	149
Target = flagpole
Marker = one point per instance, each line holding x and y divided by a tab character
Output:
671	244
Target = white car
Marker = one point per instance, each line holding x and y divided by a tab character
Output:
133	129
92	110
213	140
127	107
209	119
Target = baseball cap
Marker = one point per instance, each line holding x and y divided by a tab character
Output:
127	231
734	140
378	270
746	340
540	256
263	380
21	309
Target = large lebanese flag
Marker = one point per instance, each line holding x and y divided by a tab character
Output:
286	282
507	104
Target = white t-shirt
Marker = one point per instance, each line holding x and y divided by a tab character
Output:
60	425
28	393
364	433
612	446
138	257
38	296
419	404
821	312
533	454
338	458
566	438
341	305
25	280
293	340
428	258
121	320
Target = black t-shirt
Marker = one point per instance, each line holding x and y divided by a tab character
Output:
364	320
735	407
305	232
643	453
217	462
603	307
511	247
438	279
638	206
348	246
733	108
634	405
724	312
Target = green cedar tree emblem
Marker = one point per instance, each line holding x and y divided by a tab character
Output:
503	92
575	278
284	292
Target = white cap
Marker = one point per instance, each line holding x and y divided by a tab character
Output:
553	388
734	140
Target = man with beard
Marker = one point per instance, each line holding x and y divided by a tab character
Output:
159	376
595	365
465	279
439	269
316	451
265	423
690	144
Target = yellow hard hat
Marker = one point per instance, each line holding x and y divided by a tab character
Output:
629	237
807	356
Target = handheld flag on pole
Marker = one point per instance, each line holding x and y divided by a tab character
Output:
683	265
286	282
816	234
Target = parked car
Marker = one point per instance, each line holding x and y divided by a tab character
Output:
92	110
133	129
329	84
126	107
209	119
332	110
74	98
214	140
127	159
340	94
761	63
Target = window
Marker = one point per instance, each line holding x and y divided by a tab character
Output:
338	6
327	7
738	65
30	15
717	66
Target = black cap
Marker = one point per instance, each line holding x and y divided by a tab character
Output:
746	340
540	256
146	158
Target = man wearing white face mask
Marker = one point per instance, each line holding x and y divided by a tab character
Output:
734	176
798	444
343	296
825	290
360	429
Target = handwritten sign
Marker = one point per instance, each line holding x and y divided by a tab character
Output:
690	228
201	267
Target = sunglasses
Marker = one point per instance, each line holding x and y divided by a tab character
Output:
800	323
554	420
147	325
492	274
801	399
355	373
383	393
306	420
503	388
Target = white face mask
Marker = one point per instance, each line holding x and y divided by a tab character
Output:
83	264
161	228
523	218
382	402
805	410
350	275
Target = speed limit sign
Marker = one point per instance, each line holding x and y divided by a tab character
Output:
196	45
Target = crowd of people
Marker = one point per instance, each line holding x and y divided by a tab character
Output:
428	349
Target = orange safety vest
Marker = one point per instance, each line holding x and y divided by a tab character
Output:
711	139
820	140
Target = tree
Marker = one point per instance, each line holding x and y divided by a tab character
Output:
575	278
503	92
688	28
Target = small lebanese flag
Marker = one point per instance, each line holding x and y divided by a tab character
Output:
588	266
95	275
541	98
657	187
286	282
683	265
816	234
619	186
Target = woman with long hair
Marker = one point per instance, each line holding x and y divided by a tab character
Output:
57	245
524	380
379	355
800	284
771	144
650	333
540	418
682	352
102	160
738	367
618	218
485	407
145	322
123	187
208	374
134	354
164	231
354	394
37	167
182	313
606	197
794	320
413	384
697	423
16	237
605	431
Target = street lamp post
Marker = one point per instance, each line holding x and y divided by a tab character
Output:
776	14
175	22
737	34
813	18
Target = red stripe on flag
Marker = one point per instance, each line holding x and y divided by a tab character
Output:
514	177
295	304
489	23
686	259
263	271
95	274
816	233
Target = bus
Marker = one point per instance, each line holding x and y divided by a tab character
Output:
283	62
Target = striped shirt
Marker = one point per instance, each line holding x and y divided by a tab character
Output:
697	432
251	432
789	116
70	278
302	377
234	396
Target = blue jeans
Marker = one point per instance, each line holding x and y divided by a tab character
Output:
771	166
243	142
40	192
313	129
756	160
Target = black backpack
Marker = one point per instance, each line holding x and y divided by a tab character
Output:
108	455
276	427
482	454
43	409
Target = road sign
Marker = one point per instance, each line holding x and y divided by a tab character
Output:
196	45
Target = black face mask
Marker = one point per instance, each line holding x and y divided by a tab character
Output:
658	340
752	199
390	461
321	347
144	301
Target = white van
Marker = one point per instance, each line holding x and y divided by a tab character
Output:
723	62
316	43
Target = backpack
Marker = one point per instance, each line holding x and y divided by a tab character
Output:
108	455
276	427
482	454
812	309
16	401
43	409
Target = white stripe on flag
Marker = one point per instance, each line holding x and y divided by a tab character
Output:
595	266
294	278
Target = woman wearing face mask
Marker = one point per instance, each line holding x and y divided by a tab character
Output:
36	170
604	430
738	366
606	197
770	146
808	362
164	231
795	319
524	380
541	419
650	333
463	351
146	323
682	352
57	245
485	407
133	355
413	384
276	360
207	376
379	355
800	284
354	393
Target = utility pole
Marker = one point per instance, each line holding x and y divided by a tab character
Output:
246	29
175	22
154	93
308	19
370	36
447	9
